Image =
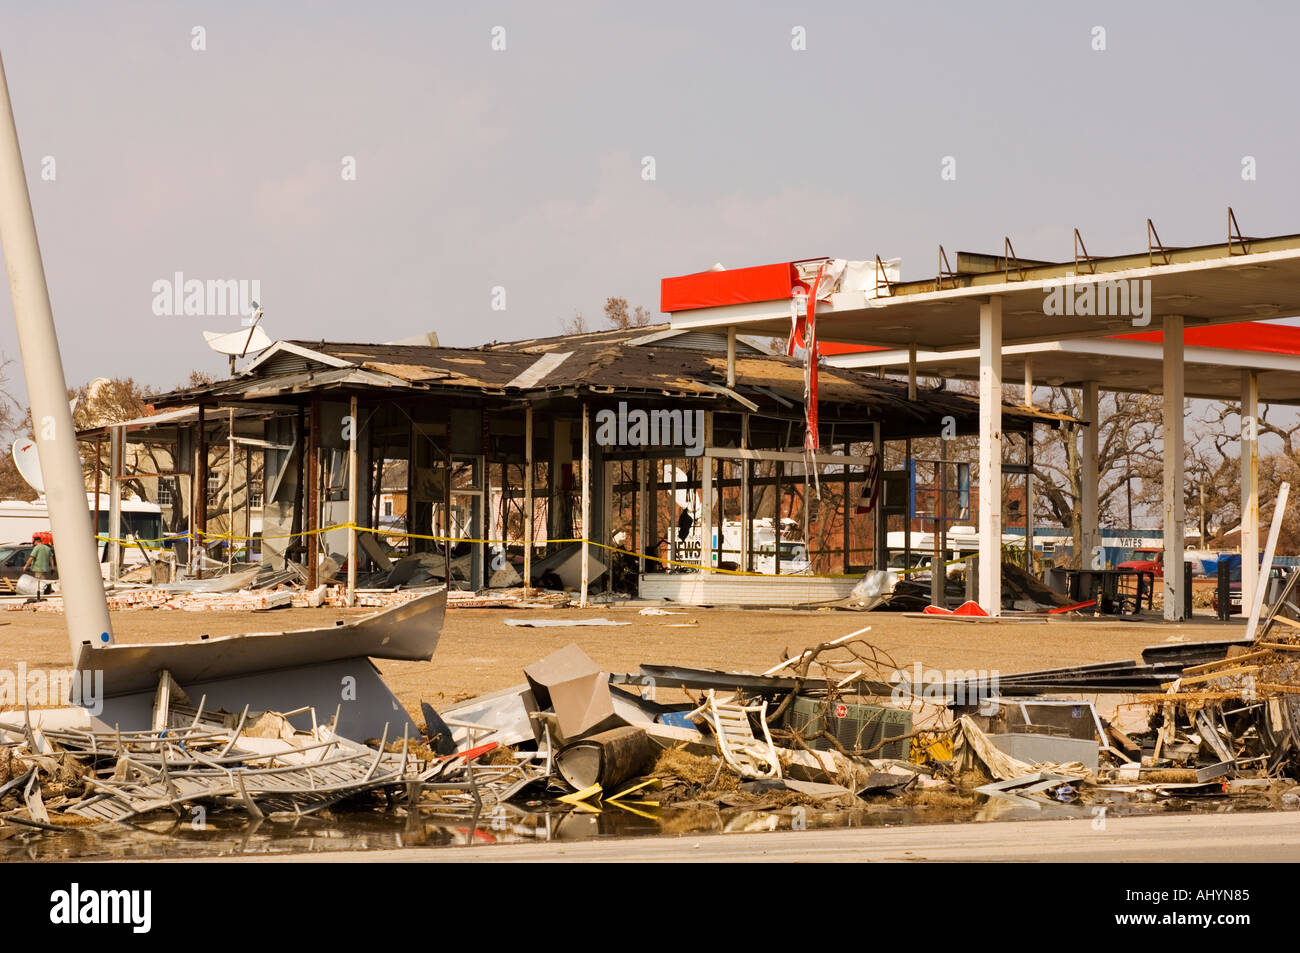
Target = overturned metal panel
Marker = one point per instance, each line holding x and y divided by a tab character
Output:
407	632
501	716
352	687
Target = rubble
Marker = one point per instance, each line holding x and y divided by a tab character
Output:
263	589
831	728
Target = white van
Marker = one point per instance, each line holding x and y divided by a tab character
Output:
20	519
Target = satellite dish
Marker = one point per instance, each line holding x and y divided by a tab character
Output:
28	464
238	343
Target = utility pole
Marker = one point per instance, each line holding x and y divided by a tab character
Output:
1128	485
1202	491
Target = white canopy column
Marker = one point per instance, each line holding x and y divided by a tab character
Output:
1249	455
1089	489
990	457
1174	509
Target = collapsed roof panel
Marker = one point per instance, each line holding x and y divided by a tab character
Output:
642	364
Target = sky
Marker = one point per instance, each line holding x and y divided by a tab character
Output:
484	176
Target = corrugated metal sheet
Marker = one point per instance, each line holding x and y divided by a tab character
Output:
286	362
710	341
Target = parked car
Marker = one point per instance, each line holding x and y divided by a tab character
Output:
13	557
1234	591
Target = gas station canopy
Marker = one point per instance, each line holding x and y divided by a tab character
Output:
1130	363
1179	322
1239	280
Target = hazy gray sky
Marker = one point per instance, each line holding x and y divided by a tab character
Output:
522	168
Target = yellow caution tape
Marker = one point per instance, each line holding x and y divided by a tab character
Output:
231	537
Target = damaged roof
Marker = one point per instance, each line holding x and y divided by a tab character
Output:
650	363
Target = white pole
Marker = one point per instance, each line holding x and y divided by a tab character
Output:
85	608
1267	565
1249	455
352	503
990	457
586	503
1172	436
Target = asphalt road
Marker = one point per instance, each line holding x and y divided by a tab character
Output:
1260	837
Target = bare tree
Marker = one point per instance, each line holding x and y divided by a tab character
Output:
618	316
12	485
1127	447
574	325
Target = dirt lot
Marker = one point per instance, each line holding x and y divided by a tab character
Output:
478	653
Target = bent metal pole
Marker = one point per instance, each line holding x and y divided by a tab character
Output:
85	608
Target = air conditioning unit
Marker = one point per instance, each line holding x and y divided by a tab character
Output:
853	725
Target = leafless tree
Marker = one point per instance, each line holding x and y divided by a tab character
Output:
574	325
1127	446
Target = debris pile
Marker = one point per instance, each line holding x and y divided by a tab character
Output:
836	728
262	589
255	763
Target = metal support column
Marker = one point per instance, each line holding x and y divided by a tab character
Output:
99	461
706	496
1029	500
528	500
586	502
1172	435
880	545
1249	486
352	502
200	494
642	511
990	457
313	494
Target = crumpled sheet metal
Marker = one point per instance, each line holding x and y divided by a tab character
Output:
972	749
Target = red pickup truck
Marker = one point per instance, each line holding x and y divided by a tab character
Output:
1149	560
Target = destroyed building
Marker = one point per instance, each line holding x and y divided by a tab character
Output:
336	423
